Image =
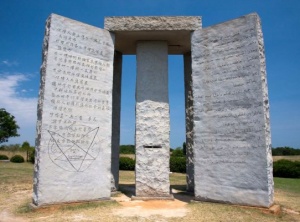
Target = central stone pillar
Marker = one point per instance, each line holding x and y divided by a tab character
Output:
152	132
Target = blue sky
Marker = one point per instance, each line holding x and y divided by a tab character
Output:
22	29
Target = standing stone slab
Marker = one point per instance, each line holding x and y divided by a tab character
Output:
73	145
232	146
116	120
189	124
152	133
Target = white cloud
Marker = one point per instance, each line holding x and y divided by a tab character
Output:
9	63
23	108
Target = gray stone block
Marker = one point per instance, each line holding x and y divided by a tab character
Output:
116	120
189	122
154	23
152	121
176	30
232	143
73	144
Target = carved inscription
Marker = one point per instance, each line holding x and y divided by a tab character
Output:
79	93
230	91
74	113
231	114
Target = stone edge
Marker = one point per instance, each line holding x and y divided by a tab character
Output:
32	206
171	197
274	208
153	23
209	200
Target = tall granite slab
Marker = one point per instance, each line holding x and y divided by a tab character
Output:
232	144
152	133
189	124
116	120
73	144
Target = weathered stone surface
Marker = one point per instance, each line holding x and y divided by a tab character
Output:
116	120
175	30
232	147
189	124
73	155
227	110
152	120
156	23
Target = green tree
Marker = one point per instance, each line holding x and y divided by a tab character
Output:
127	149
8	126
177	152
11	147
285	151
26	147
184	148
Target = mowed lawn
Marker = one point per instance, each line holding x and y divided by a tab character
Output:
275	158
16	192
292	158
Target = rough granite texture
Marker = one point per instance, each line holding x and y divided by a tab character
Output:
152	120
156	23
232	143
73	156
189	112
116	119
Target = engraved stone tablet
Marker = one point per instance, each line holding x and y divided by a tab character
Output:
73	145
232	150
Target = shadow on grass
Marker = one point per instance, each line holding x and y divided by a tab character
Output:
179	187
179	193
127	189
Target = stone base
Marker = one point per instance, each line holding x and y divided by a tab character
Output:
171	197
274	209
254	200
32	206
115	193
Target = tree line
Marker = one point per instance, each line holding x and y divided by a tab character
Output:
285	151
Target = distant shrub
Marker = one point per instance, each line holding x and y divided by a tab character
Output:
178	152
126	163
3	157
286	169
31	156
17	159
178	164
11	147
285	151
127	149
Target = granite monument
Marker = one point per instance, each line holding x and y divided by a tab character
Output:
226	99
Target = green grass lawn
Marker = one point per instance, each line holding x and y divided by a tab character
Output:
287	185
16	172
292	158
16	189
23	172
11	173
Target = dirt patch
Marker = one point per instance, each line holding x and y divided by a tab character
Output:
290	211
138	208
6	216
